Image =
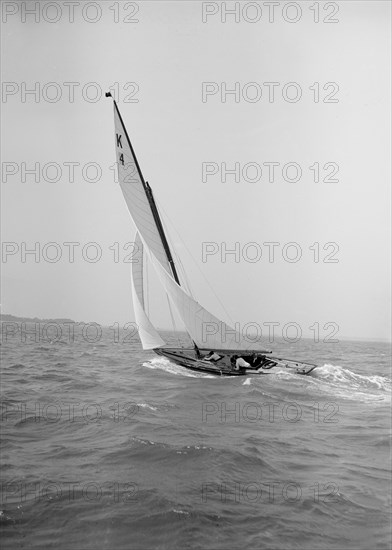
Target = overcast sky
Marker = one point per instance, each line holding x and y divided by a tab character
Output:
167	52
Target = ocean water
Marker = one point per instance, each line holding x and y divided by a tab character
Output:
107	446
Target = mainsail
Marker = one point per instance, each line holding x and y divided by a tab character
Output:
148	335
135	192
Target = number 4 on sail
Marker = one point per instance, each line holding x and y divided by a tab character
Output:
222	351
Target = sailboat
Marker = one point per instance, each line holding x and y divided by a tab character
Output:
217	347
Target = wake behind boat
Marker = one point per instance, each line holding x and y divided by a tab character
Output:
218	348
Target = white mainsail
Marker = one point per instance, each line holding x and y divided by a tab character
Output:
134	192
148	335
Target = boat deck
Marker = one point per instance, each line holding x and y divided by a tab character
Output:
188	357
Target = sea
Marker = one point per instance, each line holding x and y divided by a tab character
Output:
107	446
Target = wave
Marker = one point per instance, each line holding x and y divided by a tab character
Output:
347	384
326	380
15	366
172	368
147	406
337	374
237	462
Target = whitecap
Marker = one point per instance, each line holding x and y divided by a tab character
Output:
172	368
147	406
348	384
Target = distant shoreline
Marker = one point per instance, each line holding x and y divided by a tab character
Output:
6	317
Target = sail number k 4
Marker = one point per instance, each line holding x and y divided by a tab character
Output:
119	144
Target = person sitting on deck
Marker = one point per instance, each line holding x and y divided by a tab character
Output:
250	359
239	363
255	360
212	356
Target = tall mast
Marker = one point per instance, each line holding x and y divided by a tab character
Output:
151	201
161	232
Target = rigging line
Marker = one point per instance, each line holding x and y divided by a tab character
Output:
190	253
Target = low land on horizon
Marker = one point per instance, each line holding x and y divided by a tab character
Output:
8	318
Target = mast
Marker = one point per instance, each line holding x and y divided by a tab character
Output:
151	201
161	232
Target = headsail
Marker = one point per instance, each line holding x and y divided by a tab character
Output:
148	335
206	330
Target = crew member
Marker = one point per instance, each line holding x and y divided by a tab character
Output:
239	363
212	356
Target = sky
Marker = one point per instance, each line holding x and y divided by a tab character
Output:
155	57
